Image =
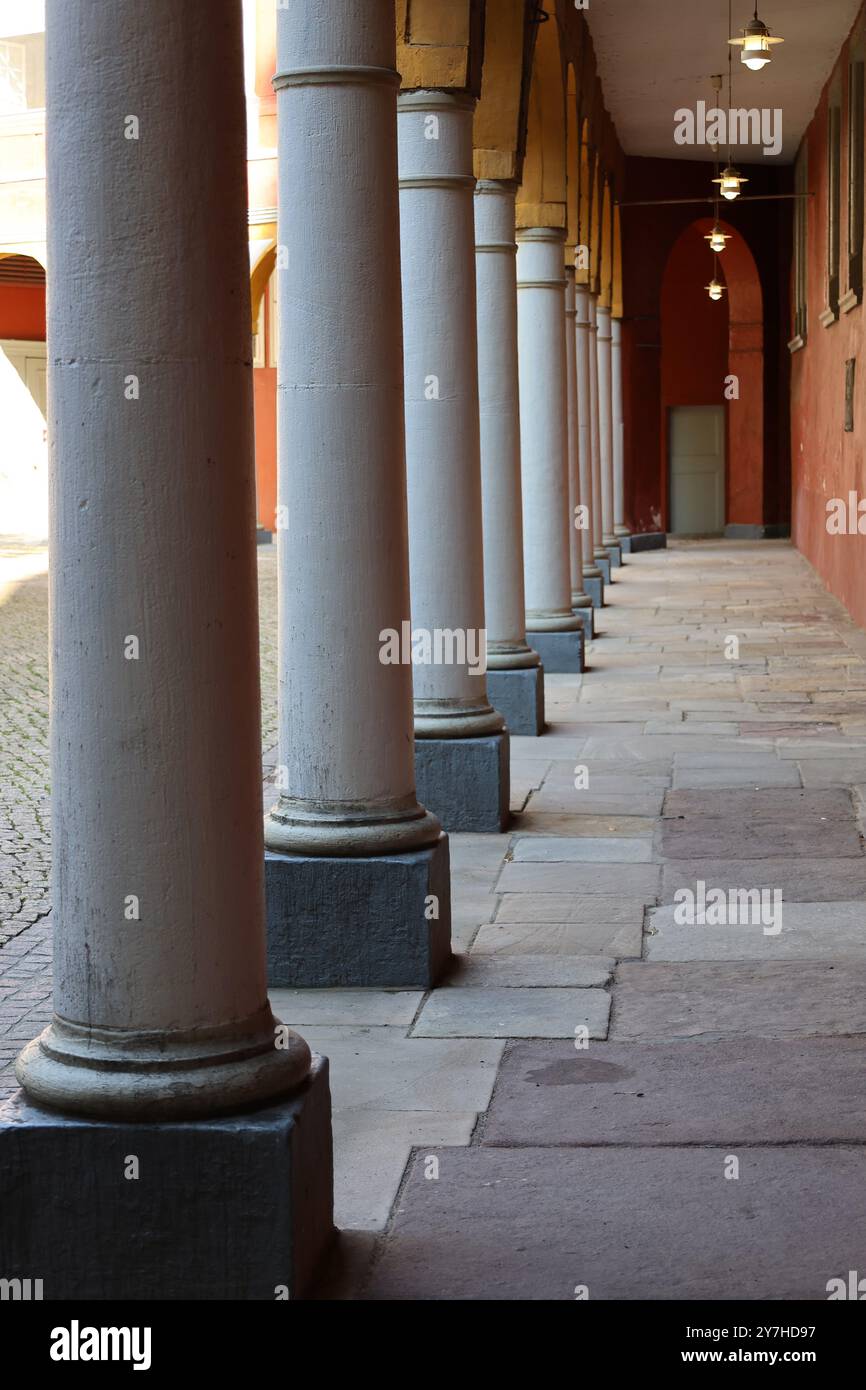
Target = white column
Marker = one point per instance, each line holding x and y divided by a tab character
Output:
544	429
605	433
584	424
498	398
579	599
598	549
160	999
346	746
619	526
437	242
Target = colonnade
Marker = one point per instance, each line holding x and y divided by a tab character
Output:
440	430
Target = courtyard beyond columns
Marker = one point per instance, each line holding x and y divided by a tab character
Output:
598	1097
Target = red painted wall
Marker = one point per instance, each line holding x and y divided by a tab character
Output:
22	312
694	339
757	494
265	405
828	461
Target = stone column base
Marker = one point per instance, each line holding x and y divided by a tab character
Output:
625	544
234	1208
382	921
614	550
587	618
602	562
594	586
559	651
648	540
465	781
519	696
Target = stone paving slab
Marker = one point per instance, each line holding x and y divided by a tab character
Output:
594	803
382	1068
729	835
831	772
494	1012
302	1007
630	1223
763	806
631	880
561	939
712	778
801	879
561	849
482	969
558	823
809	931
659	1001
744	1091
371	1150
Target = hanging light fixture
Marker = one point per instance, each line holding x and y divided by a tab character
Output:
730	183
755	44
715	289
717	238
730	180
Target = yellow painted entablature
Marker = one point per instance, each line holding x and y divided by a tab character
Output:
541	200
439	44
497	134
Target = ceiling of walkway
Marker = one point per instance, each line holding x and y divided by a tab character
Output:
654	58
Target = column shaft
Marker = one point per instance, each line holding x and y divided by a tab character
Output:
583	343
579	599
160	997
498	395
437	241
346	749
544	429
619	526
599	552
605	435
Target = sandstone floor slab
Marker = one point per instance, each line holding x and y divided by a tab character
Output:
659	1001
739	1091
625	1223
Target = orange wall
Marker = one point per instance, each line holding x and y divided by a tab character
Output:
22	312
828	462
265	402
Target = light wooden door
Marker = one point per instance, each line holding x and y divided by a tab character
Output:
697	470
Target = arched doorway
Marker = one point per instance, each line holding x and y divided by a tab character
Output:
712	386
24	460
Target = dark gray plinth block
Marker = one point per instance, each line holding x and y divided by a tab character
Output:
615	553
625	544
559	651
519	696
233	1208
594	586
263	536
587	617
602	562
648	540
465	781
359	921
